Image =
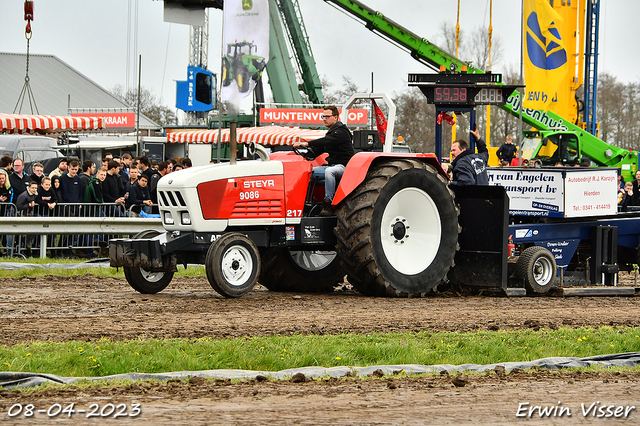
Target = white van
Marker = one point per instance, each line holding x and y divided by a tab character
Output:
31	149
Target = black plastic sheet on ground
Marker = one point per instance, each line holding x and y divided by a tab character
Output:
12	380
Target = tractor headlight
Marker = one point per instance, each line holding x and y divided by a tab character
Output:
168	219
186	219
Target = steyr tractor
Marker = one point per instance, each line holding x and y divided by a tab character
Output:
395	230
240	64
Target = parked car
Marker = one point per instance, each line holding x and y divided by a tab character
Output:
31	149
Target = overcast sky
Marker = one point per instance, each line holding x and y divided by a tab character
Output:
91	36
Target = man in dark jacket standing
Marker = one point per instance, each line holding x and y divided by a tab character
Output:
111	189
70	183
338	144
507	151
469	168
18	178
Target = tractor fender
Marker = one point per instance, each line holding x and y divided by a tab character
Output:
359	165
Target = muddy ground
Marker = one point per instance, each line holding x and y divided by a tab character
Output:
88	308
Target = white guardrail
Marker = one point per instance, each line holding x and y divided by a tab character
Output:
46	226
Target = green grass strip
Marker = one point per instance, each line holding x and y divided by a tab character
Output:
274	353
106	272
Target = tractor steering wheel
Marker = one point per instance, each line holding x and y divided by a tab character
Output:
307	153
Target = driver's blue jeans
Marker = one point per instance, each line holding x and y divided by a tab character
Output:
331	175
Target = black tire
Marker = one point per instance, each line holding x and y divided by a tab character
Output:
232	265
144	281
301	271
226	72
398	199
242	78
537	266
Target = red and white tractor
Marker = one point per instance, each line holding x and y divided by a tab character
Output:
395	230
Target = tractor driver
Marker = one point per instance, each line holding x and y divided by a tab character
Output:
469	168
338	144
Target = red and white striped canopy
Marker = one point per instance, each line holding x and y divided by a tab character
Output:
19	123
269	135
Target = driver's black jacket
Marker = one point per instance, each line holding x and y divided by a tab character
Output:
337	143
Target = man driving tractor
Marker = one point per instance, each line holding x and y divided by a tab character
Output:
338	144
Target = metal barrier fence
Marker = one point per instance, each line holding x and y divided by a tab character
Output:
82	228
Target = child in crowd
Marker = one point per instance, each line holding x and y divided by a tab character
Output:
46	198
27	200
140	193
625	197
134	172
93	192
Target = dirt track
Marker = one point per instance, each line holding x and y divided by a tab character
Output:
87	308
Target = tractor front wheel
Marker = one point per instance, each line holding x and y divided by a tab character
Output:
143	281
232	265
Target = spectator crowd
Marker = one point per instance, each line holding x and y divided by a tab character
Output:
121	186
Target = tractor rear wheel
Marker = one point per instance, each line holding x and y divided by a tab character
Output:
226	72
143	281
398	230
301	271
232	265
537	266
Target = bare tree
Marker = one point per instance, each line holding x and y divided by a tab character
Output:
447	40
149	105
608	108
339	96
415	120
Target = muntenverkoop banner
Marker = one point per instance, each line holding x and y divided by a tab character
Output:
245	46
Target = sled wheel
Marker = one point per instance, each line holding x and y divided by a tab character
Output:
232	265
243	81
301	271
226	72
538	268
398	230
143	281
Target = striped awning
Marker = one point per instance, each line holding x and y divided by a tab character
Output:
269	135
19	123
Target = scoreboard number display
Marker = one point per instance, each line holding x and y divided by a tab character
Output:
489	96
463	90
460	95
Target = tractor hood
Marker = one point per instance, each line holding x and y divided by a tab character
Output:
193	199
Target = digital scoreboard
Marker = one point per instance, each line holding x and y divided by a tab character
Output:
462	90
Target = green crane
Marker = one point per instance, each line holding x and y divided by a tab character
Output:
555	139
286	17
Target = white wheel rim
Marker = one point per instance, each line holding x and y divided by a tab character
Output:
237	266
542	271
313	260
413	210
152	277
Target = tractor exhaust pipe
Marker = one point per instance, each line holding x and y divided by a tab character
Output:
233	142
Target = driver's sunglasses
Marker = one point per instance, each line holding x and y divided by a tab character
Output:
326	117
